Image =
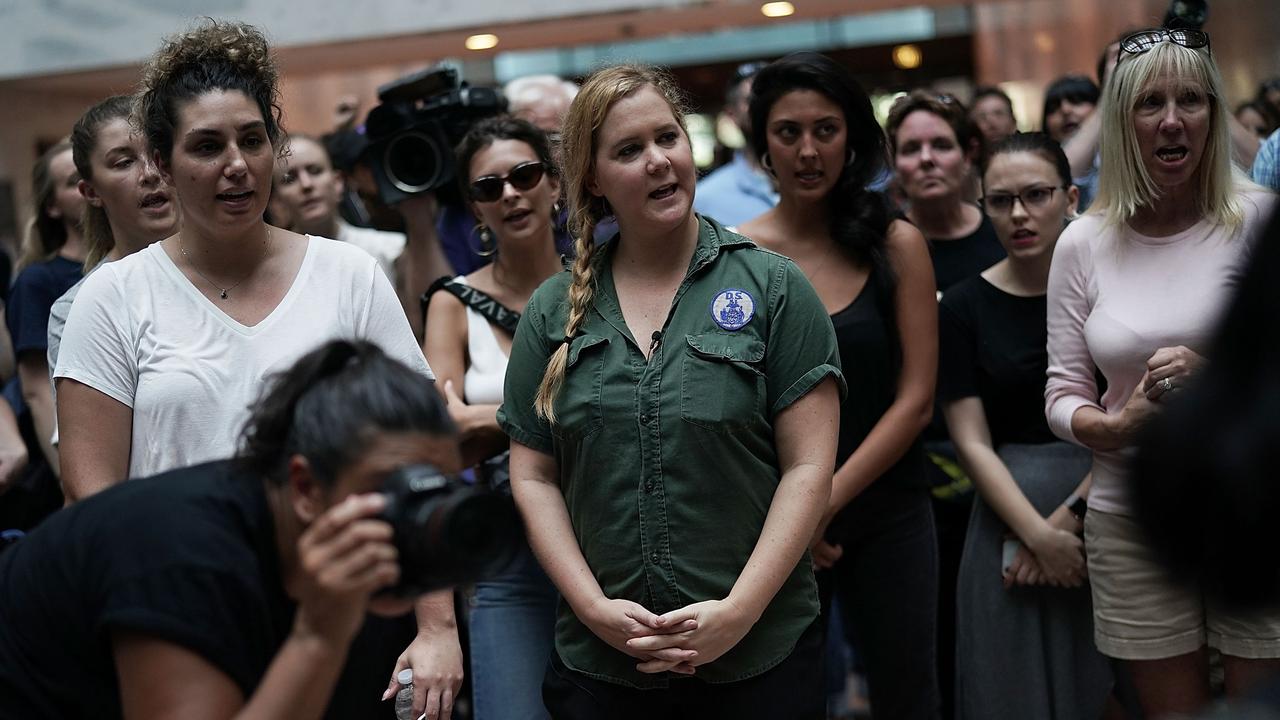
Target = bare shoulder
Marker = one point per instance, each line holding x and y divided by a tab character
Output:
763	231
902	236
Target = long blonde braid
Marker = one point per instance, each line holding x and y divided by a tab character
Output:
581	128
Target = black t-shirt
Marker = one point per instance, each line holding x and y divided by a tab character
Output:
31	297
962	258
992	346
188	557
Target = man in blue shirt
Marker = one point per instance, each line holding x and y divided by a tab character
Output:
740	190
1266	164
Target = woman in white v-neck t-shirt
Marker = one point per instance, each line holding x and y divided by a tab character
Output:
164	350
142	334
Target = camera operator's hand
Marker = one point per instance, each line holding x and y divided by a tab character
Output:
344	556
435	656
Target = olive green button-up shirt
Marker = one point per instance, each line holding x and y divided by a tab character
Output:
668	466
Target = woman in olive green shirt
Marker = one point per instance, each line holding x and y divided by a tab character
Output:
672	404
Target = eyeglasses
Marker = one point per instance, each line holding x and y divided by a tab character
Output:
1033	198
1143	40
524	176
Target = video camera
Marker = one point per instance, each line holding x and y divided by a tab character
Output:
447	533
413	131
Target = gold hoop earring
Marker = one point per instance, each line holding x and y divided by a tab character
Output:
488	246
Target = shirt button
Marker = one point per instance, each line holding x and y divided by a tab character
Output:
648	486
654	557
644	419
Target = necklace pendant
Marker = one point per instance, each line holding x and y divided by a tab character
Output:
224	294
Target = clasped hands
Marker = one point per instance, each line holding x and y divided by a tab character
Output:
678	641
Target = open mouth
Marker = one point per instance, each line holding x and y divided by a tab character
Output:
517	215
664	192
233	197
809	176
153	201
1023	237
1171	153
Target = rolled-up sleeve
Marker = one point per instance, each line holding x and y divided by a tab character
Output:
802	349
530	352
1071	381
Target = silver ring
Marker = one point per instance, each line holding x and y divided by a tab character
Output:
1166	384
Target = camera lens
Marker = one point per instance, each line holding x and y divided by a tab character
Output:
412	162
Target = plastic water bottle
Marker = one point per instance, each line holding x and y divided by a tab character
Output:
404	698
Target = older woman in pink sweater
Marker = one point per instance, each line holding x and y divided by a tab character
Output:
1135	289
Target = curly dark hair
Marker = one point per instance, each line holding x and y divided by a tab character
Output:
214	55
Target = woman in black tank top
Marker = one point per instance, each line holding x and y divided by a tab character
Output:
816	133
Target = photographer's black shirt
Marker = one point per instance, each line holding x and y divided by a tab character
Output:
187	557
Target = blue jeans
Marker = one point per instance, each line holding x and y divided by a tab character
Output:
513	623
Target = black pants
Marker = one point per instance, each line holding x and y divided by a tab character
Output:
887	582
792	690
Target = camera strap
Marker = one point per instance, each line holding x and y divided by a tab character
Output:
492	310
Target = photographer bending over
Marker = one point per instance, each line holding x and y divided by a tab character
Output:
232	588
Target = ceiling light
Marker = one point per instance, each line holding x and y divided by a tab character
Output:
482	42
777	9
907	57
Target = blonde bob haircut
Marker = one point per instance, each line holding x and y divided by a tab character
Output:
1124	185
578	138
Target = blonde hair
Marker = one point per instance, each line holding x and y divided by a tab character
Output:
581	130
1124	184
45	235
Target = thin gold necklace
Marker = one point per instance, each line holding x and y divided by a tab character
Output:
222	291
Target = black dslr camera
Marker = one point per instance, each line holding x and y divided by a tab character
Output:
447	533
413	131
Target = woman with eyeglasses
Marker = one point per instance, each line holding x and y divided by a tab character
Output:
875	547
504	165
1024	643
1135	289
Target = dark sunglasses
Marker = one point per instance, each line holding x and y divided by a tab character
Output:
524	176
1143	40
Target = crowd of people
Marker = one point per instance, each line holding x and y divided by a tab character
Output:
865	395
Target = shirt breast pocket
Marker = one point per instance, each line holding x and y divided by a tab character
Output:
578	411
721	385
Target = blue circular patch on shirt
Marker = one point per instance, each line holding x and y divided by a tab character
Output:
733	308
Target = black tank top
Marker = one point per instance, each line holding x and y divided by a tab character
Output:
869	355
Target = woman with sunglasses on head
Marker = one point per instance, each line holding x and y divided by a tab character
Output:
1024	644
672	404
512	185
1134	290
815	127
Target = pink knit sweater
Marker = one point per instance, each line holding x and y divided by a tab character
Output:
1115	297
